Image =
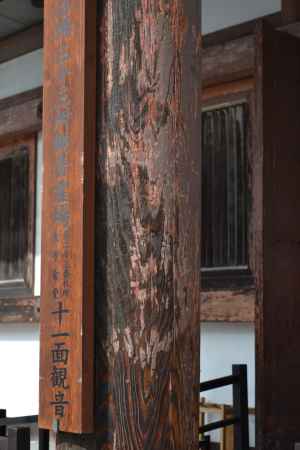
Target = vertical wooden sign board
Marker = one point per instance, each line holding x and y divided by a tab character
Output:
66	358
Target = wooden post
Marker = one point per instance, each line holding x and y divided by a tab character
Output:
290	10
277	237
148	201
69	131
240	408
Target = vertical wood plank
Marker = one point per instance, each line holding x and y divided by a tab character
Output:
69	126
277	239
148	226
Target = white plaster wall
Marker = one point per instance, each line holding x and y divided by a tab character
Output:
19	374
223	345
21	74
38	222
218	14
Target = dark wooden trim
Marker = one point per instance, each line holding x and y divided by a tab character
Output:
290	10
229	91
21	43
228	54
20	119
236	301
26	288
231	279
277	237
20	114
228	62
228	306
212	97
21	310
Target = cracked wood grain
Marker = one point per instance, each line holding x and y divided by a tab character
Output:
148	226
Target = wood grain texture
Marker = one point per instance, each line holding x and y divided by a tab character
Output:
234	306
19	310
231	61
148	226
67	300
277	239
20	114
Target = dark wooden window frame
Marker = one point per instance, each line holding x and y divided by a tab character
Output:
25	289
224	273
230	296
20	122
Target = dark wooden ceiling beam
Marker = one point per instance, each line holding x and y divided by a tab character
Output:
21	43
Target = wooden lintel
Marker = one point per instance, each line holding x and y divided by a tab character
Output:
228	59
20	310
20	114
228	62
20	43
228	306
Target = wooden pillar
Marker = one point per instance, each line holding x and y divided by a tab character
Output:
277	237
290	10
147	248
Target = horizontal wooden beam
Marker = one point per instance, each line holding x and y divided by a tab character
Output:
20	310
228	62
228	90
20	114
228	306
21	43
233	59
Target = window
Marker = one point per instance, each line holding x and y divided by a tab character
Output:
225	141
17	193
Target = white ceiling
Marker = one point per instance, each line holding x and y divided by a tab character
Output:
16	15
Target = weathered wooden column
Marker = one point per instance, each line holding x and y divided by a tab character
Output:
147	227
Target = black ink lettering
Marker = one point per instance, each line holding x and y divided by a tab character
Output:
60	312
60	354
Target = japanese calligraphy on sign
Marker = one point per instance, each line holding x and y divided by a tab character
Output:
66	372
